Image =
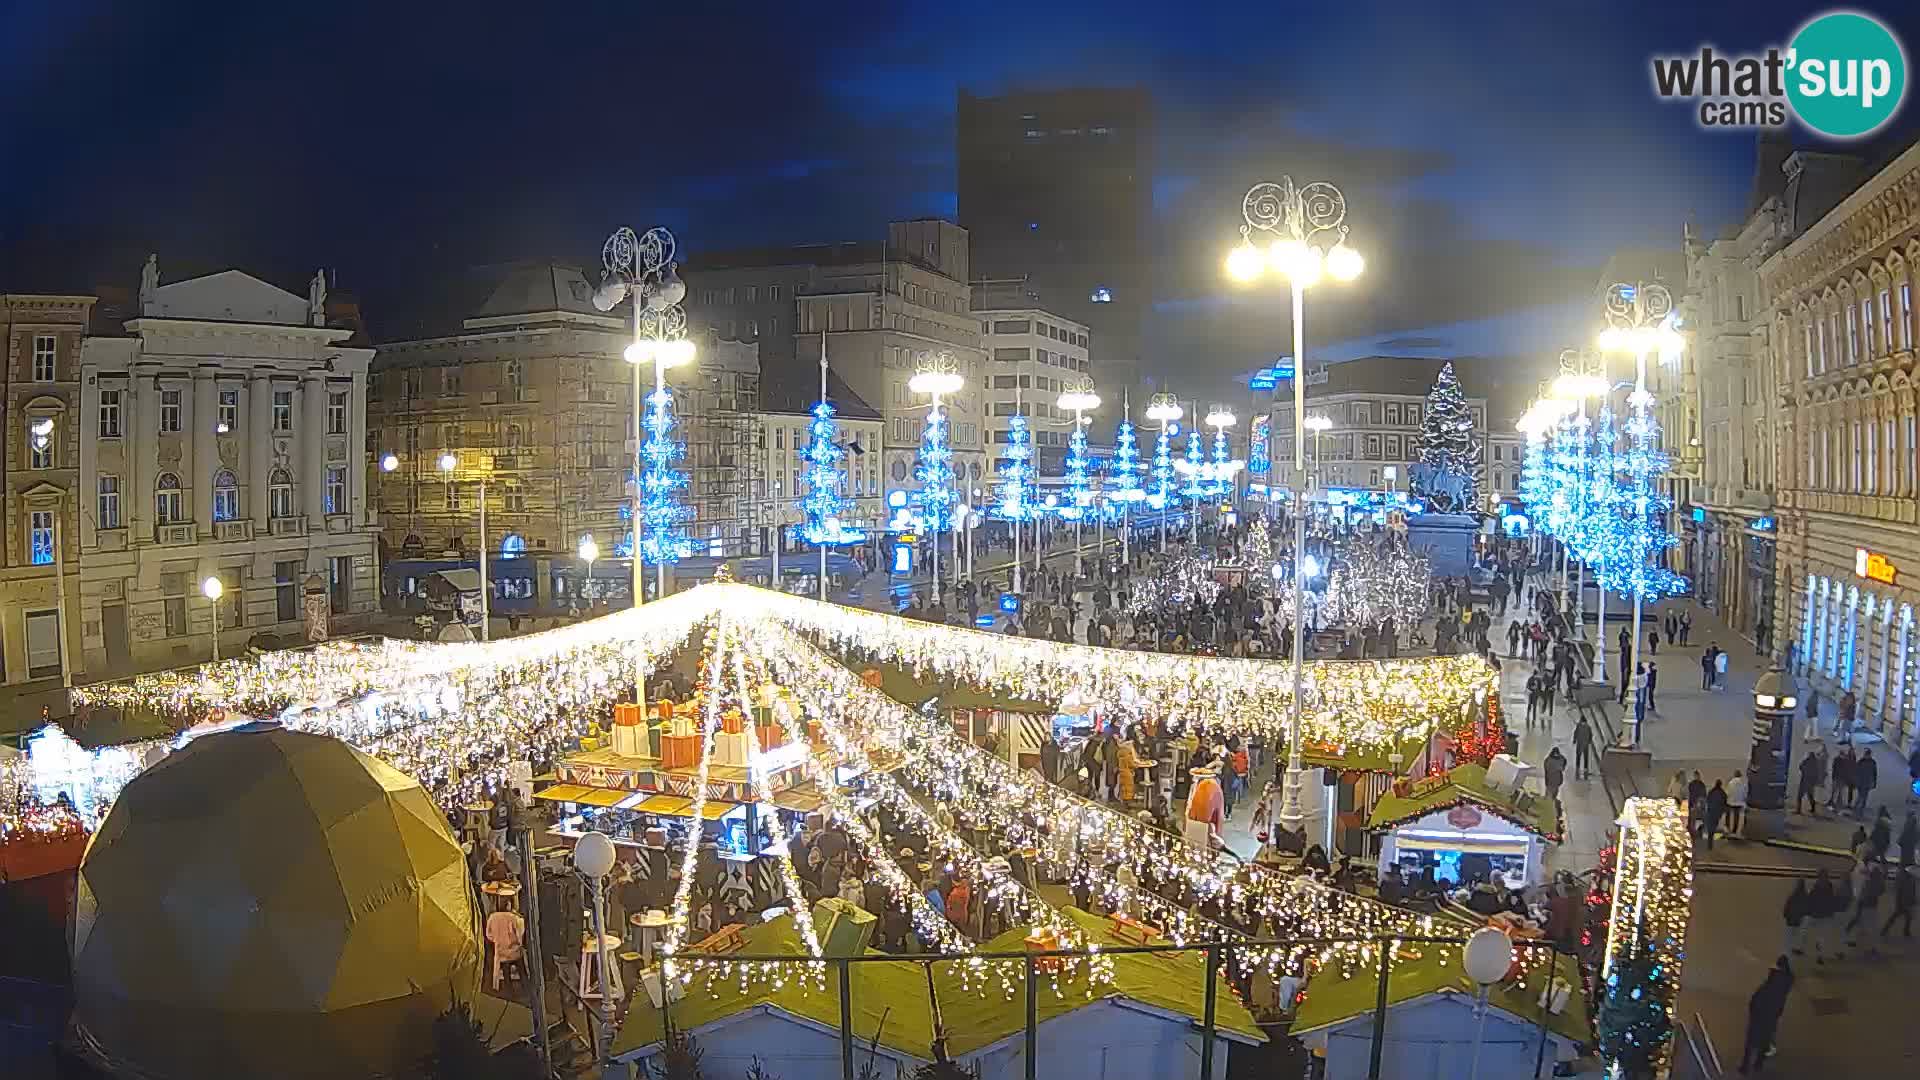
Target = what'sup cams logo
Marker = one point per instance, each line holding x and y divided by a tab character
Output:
1843	75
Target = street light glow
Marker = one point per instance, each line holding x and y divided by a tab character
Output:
1079	400
588	549
1317	424
1344	263
935	382
1245	263
1165	411
447	462
212	589
389	462
1221	418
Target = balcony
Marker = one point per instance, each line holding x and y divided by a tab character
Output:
230	531
339	524
174	534
296	525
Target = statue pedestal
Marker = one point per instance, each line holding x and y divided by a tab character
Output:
1445	539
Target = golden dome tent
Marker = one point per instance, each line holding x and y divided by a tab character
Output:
265	902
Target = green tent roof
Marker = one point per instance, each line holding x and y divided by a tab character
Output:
1468	784
1334	998
891	998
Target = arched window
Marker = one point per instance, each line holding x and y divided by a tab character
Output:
166	500
226	496
512	546
280	494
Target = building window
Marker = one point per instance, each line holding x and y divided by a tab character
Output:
515	375
109	414
175	608
43	358
107	503
337	413
339	582
1906	315
166	500
286	591
40	442
1817	362
453	496
40	537
226	496
513	436
336	492
169	410
1866	327
283	410
229	408
280	494
1853	337
515	500
450	380
1888	340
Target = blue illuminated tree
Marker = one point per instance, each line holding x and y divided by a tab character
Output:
936	499
1016	495
824	469
1194	468
1259	458
663	519
1125	470
1078	463
1637	539
1536	485
1162	495
1222	476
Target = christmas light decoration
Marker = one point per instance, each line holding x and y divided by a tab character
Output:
1375	579
1447	444
1222	467
1637	546
1016	502
1259	455
1646	937
1194	468
1163	468
936	498
1079	498
824	507
1125	469
663	537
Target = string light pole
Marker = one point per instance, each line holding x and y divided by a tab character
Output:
1297	223
447	464
1640	322
936	374
642	268
1164	410
1124	475
1077	398
821	510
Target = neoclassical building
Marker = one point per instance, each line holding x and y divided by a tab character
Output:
1841	339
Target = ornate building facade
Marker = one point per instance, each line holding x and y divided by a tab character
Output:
1841	341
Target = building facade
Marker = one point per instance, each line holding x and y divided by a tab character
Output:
877	307
531	394
1377	405
222	433
1840	305
39	461
1054	187
1032	355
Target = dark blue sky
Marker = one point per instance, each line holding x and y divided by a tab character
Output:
1492	155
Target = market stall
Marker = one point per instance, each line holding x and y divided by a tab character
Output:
1465	827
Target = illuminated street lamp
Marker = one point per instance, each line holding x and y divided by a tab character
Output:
1164	410
212	589
1319	425
1305	232
588	551
937	375
447	465
1078	398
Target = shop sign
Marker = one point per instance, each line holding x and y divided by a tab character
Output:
1761	524
1464	818
1874	566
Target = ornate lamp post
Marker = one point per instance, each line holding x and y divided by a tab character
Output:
1639	318
1078	397
936	374
1304	231
1582	377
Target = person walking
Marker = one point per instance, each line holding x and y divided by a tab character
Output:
1583	749
1909	838
1736	802
1716	810
1820	910
1686	627
1881	838
1513	640
1843	718
1870	893
1903	900
1653	640
1720	669
1555	770
1533	698
1653	680
1706	669
1841	793
1812	772
1763	1016
1696	803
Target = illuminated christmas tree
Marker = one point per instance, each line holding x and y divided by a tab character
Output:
1194	468
1162	495
824	471
1016	502
1636	541
663	519
1447	445
936	498
1125	469
1078	463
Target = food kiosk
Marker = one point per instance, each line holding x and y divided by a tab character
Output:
1464	826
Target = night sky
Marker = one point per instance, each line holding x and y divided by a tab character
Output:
1492	155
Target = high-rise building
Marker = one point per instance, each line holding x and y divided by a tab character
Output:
1054	187
1032	355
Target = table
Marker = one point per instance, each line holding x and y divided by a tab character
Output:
499	893
652	931
590	983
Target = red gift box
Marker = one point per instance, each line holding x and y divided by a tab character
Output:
732	722
679	751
